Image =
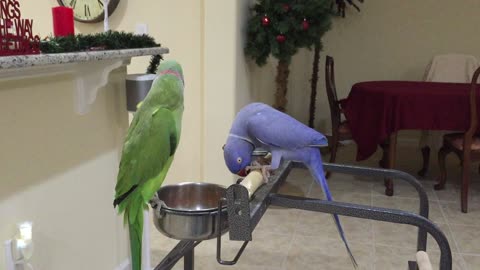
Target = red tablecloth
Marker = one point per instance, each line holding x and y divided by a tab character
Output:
376	109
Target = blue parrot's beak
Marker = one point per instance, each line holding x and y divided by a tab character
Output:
242	173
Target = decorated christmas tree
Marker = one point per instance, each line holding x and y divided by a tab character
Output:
281	27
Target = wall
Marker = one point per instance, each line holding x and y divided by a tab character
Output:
176	25
58	170
49	154
219	84
387	40
244	92
227	84
395	40
205	37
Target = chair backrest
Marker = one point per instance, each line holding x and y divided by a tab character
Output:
473	108
456	68
335	112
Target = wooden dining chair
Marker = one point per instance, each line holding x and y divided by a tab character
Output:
465	145
340	129
450	68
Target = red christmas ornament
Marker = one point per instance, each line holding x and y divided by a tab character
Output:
265	21
286	7
281	38
305	24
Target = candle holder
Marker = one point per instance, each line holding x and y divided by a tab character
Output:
63	21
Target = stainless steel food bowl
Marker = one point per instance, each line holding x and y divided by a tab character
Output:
189	211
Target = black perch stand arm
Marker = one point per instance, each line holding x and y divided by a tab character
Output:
244	211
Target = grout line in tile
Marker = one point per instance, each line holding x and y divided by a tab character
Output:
399	197
436	196
402	197
284	263
414	246
469	254
462	261
309	192
463	224
372	228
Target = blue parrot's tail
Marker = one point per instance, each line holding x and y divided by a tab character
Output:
316	169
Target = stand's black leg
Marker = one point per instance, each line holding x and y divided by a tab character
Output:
182	249
188	263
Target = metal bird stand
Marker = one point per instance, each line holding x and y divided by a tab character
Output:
244	214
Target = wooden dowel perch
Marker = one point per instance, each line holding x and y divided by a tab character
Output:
252	182
423	261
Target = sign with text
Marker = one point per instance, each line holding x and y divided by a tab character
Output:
16	34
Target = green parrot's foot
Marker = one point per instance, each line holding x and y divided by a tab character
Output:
155	201
266	169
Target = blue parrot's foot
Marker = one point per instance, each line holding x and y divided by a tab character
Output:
264	168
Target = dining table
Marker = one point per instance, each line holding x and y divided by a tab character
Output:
377	110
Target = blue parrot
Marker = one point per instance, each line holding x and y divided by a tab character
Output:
258	125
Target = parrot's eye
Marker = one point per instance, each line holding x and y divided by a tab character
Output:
239	160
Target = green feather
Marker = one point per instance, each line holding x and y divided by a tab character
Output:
135	229
147	154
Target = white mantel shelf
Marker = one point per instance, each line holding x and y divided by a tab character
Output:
90	69
26	61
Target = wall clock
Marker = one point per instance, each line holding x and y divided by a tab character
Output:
89	11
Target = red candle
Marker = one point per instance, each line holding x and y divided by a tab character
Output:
63	21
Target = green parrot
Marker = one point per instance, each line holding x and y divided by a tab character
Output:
148	151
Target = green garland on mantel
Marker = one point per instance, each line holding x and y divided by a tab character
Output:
111	40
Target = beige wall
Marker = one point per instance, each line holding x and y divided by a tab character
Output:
387	40
176	25
206	37
227	84
219	84
244	92
58	170
49	154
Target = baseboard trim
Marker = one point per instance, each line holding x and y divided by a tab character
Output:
409	141
125	265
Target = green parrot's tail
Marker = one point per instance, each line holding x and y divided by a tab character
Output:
136	244
135	227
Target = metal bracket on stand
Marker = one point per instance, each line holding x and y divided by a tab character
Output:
232	209
239	213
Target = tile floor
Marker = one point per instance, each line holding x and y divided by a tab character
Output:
294	239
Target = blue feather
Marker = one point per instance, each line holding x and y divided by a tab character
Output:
316	169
